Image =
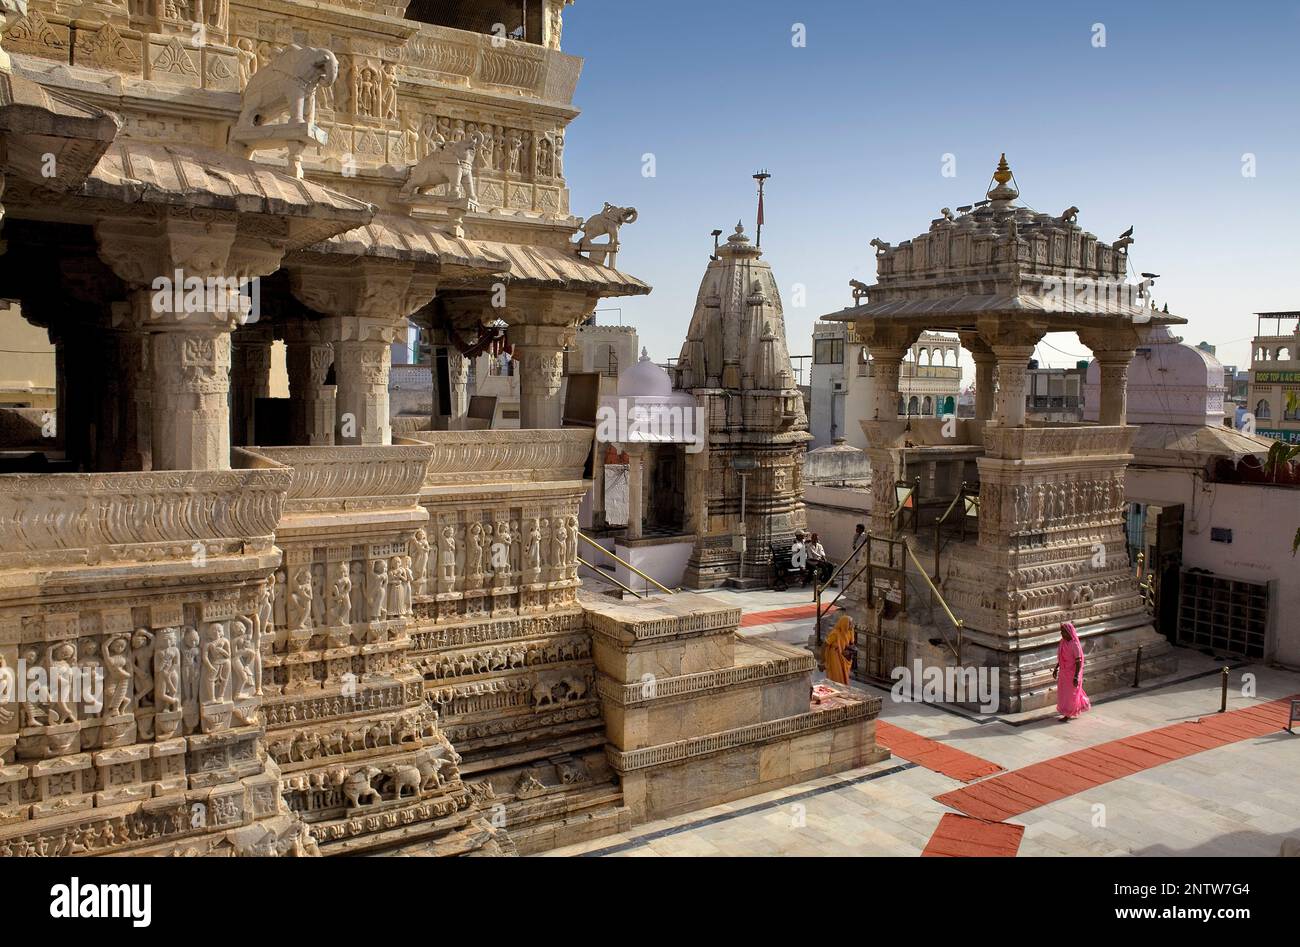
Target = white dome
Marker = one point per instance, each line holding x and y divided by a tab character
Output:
1169	382
645	379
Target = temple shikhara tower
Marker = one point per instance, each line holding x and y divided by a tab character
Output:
748	481
988	533
317	634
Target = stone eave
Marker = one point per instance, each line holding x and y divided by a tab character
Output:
136	172
396	237
543	267
954	313
35	121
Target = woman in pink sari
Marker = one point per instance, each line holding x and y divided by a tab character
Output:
1070	698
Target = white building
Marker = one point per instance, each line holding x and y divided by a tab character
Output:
841	380
1215	534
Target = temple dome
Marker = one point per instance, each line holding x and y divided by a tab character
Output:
645	379
1169	382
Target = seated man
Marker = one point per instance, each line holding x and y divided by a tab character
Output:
819	567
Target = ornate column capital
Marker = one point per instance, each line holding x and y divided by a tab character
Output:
374	296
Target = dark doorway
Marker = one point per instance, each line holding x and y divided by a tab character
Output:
1167	569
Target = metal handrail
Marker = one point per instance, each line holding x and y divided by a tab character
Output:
623	562
821	587
957	622
614	579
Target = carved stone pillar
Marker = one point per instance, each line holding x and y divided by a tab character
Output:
164	259
367	303
361	398
635	488
985	382
308	357
1114	385
888	364
1114	349
250	379
1013	377
458	381
539	350
191	383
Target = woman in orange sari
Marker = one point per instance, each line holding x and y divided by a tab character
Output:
836	651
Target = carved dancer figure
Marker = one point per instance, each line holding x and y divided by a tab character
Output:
559	547
357	573
474	559
318	595
278	614
142	651
377	591
90	668
190	675
63	683
447	558
216	665
117	677
167	672
300	600
420	562
245	661
535	547
396	606
572	558
408	585
340	607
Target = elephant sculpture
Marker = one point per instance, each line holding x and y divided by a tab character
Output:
357	788
404	776
449	163
288	84
606	223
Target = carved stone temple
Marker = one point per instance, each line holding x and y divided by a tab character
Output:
748	480
1018	524
298	631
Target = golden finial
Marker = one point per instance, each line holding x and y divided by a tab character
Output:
1003	174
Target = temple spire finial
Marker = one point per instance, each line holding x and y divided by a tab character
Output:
1003	191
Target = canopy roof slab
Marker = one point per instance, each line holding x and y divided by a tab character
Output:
36	122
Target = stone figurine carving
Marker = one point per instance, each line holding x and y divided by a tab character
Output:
318	595
288	85
377	591
340	605
535	547
447	558
190	670
285	86
358	789
449	163
216	665
606	224
62	684
357	573
420	562
396	588
300	600
117	677
245	660
167	672
142	652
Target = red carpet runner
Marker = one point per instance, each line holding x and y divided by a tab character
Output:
933	755
793	613
961	837
1037	785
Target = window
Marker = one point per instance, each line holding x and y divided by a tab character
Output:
828	351
927	406
912	405
1262	410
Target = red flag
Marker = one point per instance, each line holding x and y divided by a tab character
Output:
760	207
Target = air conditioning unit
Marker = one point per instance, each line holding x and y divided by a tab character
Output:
838	387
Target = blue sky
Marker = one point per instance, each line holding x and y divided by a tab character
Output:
1149	130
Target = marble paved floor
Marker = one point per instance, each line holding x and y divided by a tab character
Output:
1241	799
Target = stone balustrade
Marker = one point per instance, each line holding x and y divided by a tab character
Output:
1023	443
73	517
474	458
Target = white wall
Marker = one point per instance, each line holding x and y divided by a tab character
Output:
833	512
664	562
1263	521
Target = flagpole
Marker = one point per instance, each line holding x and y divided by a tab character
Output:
761	177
